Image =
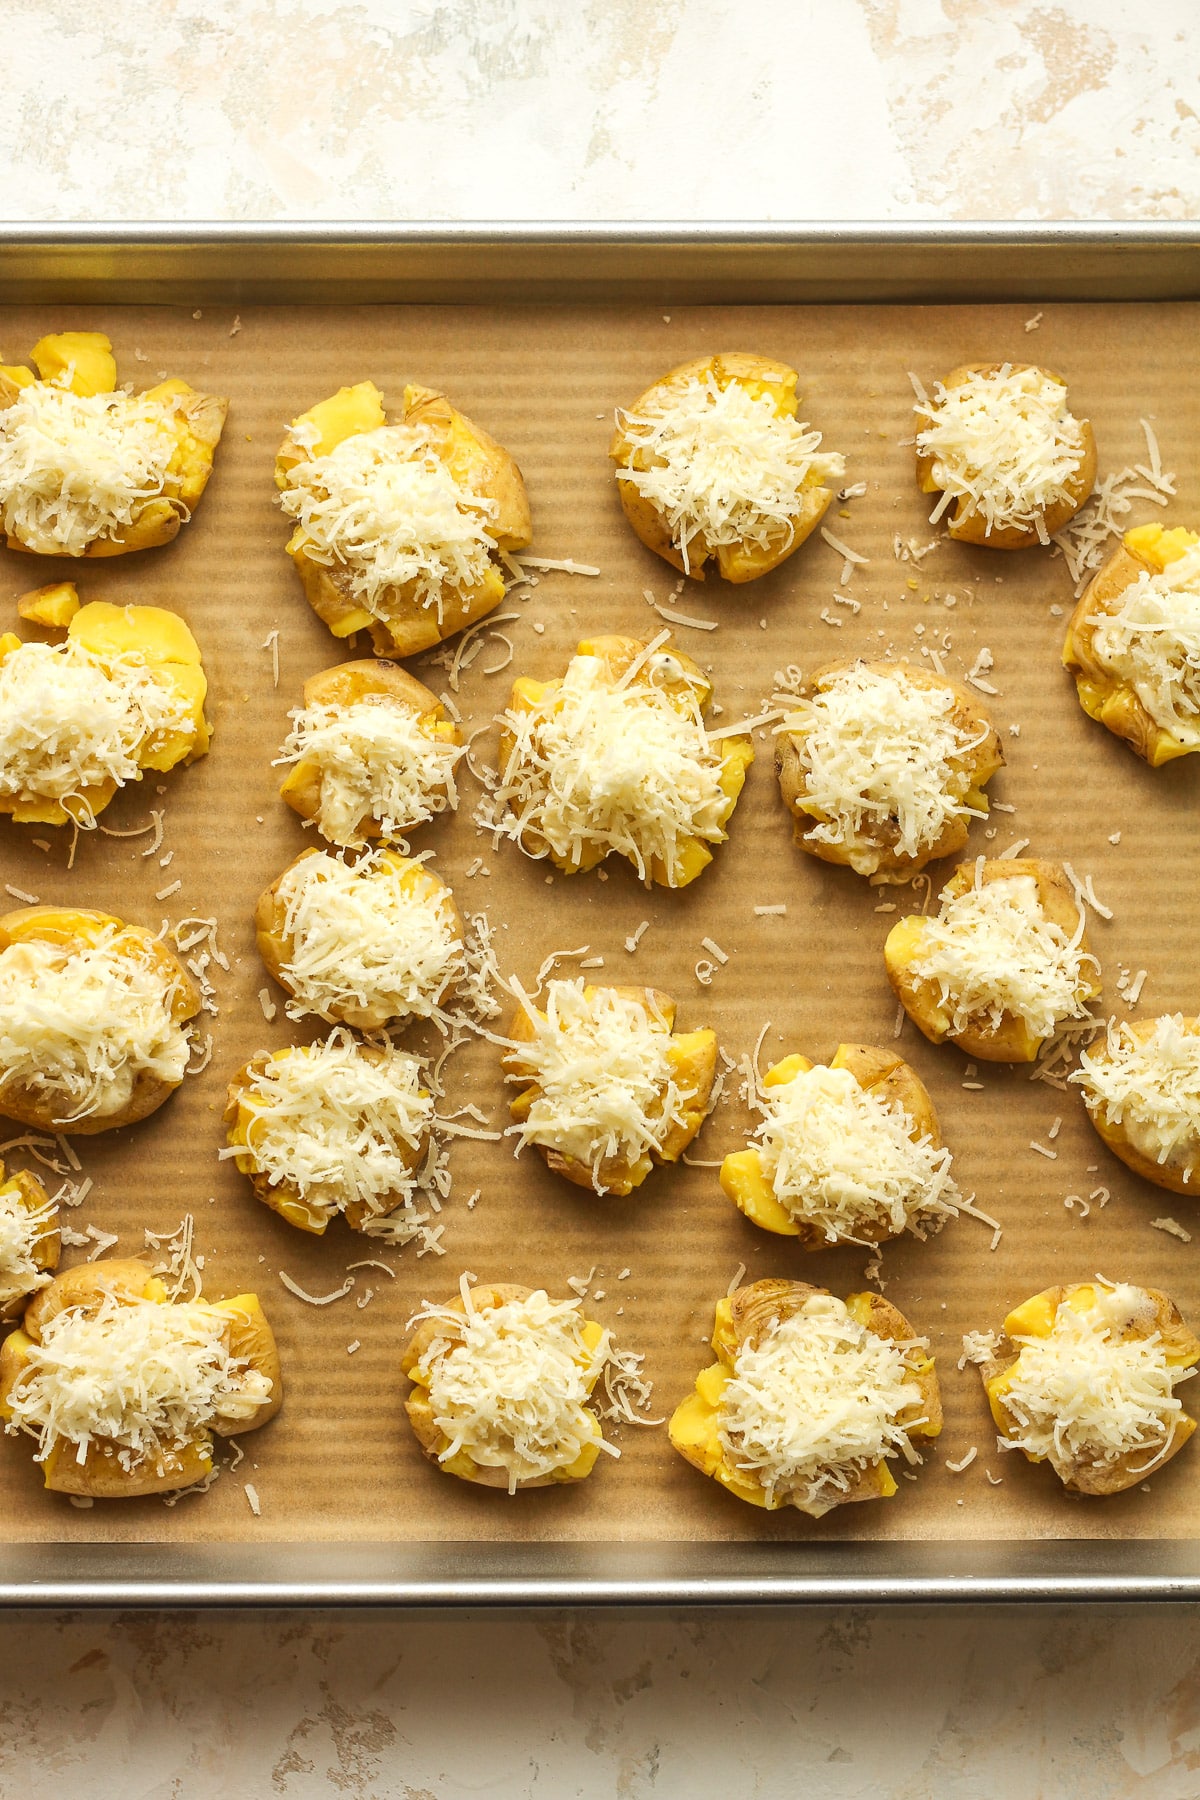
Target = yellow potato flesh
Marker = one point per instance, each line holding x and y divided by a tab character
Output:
53	606
87	354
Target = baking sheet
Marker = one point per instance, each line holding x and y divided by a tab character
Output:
339	1463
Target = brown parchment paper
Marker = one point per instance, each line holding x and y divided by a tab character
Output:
340	1463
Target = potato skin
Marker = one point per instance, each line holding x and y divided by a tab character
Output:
891	867
1176	1178
736	562
966	524
127	1280
694	1060
1010	1040
474	458
1159	1314
70	925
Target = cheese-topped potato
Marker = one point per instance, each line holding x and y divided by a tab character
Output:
372	754
847	1153
124	1389
399	528
1084	1378
360	943
92	1016
30	1243
883	766
1004	964
713	462
501	1381
609	1087
614	759
123	695
332	1128
1133	643
1141	1087
1008	460
809	1399
91	469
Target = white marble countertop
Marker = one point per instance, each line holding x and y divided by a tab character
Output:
602	109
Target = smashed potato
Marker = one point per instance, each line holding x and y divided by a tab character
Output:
30	1243
712	462
808	1399
612	1089
1002	967
363	943
92	1012
122	696
1133	643
373	753
1141	1088
89	469
1084	1377
614	759
833	1168
399	528
883	766
1003	452
125	1399
501	1379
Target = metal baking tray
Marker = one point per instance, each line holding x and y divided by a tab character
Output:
655	264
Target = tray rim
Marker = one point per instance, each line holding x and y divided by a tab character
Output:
439	262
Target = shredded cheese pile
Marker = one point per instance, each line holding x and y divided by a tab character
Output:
376	763
602	1068
994	951
143	1377
71	720
21	1228
75	468
509	1385
885	763
360	938
839	1157
614	768
78	1026
1004	442
1152	642
385	511
722	465
818	1401
1150	1087
339	1126
1088	1395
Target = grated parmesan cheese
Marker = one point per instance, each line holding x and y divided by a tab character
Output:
21	1229
722	466
1151	641
385	511
1147	1083
376	763
818	1401
840	1158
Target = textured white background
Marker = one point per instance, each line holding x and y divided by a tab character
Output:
544	109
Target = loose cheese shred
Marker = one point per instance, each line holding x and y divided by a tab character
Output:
817	1402
1091	1394
885	763
722	466
21	1227
1005	443
509	1384
376	762
602	1070
79	1026
1173	1229
72	720
360	936
341	1126
1152	642
1149	1087
75	468
840	1158
1084	541
144	1377
993	951
385	512
599	768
